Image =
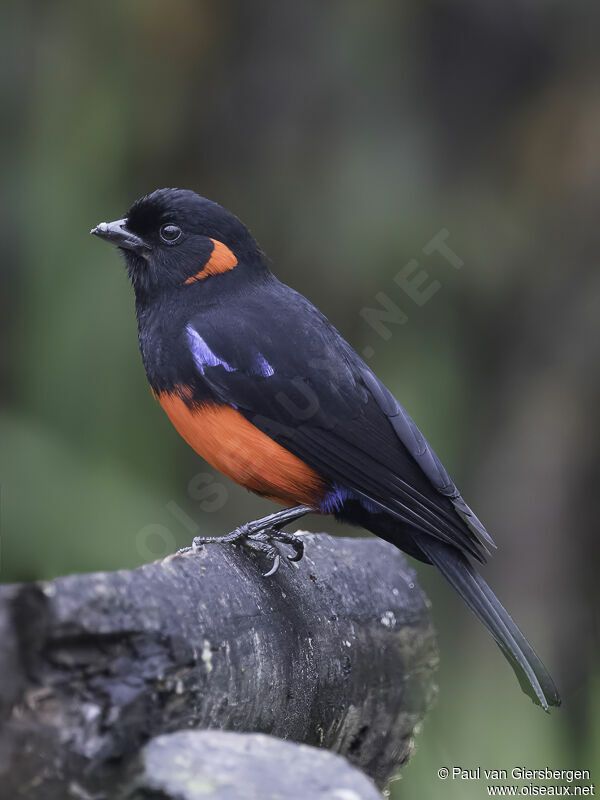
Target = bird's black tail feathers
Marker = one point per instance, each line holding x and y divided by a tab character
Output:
459	572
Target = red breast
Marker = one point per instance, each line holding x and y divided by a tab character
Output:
231	444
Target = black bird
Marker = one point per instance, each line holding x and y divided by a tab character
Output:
265	389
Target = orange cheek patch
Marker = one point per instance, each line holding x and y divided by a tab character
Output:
231	444
221	260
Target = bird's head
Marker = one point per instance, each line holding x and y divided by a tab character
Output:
175	238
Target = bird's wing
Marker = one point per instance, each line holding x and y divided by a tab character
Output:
291	374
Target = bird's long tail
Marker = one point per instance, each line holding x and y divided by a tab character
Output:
531	673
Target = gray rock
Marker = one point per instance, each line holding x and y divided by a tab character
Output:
219	765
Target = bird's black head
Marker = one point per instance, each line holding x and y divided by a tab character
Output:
174	238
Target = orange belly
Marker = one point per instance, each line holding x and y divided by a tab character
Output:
231	444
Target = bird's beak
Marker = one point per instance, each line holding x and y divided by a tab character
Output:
117	233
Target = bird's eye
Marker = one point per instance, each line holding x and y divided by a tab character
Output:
170	233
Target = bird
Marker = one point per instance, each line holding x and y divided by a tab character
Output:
264	388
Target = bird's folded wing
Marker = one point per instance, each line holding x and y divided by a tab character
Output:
309	391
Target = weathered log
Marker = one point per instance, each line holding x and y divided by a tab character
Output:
222	765
335	651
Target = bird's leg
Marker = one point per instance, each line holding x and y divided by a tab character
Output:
260	534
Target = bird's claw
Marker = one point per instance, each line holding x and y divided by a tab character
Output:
294	541
261	541
274	568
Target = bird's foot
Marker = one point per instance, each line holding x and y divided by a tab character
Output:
265	541
261	536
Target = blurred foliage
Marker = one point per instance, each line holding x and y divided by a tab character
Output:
346	135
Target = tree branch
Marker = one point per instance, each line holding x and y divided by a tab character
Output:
335	651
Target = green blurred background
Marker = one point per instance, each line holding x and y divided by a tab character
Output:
346	135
